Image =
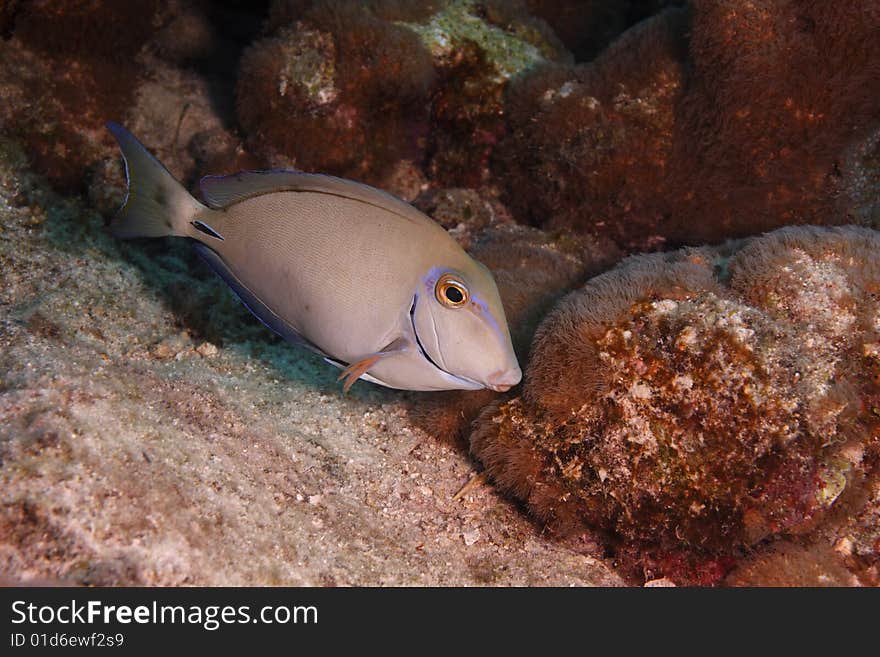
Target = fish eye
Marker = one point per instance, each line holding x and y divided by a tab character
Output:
451	292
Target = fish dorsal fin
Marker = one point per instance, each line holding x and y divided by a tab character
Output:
223	191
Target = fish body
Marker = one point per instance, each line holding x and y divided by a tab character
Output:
348	271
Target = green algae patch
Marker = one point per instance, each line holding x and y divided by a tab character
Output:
458	23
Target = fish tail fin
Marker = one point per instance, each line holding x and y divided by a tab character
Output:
156	204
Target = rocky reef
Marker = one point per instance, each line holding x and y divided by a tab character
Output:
360	89
693	404
703	415
67	68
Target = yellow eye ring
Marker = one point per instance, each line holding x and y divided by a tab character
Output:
451	292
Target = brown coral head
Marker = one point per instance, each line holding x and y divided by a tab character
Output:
339	91
566	363
697	401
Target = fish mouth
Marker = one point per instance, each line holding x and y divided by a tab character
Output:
467	384
504	380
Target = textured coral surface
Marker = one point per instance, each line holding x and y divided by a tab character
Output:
691	405
354	88
717	119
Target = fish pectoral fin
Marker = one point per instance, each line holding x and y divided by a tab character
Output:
361	366
357	369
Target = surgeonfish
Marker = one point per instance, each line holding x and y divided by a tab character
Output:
353	273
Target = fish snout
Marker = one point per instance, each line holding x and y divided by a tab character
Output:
504	380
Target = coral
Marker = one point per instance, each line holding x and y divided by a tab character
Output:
789	564
791	87
87	29
405	180
478	49
187	35
588	146
859	538
284	12
341	92
533	269
8	10
175	113
693	404
510	41
753	115
69	67
464	213
861	182
704	416
355	88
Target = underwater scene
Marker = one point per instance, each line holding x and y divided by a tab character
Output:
440	293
